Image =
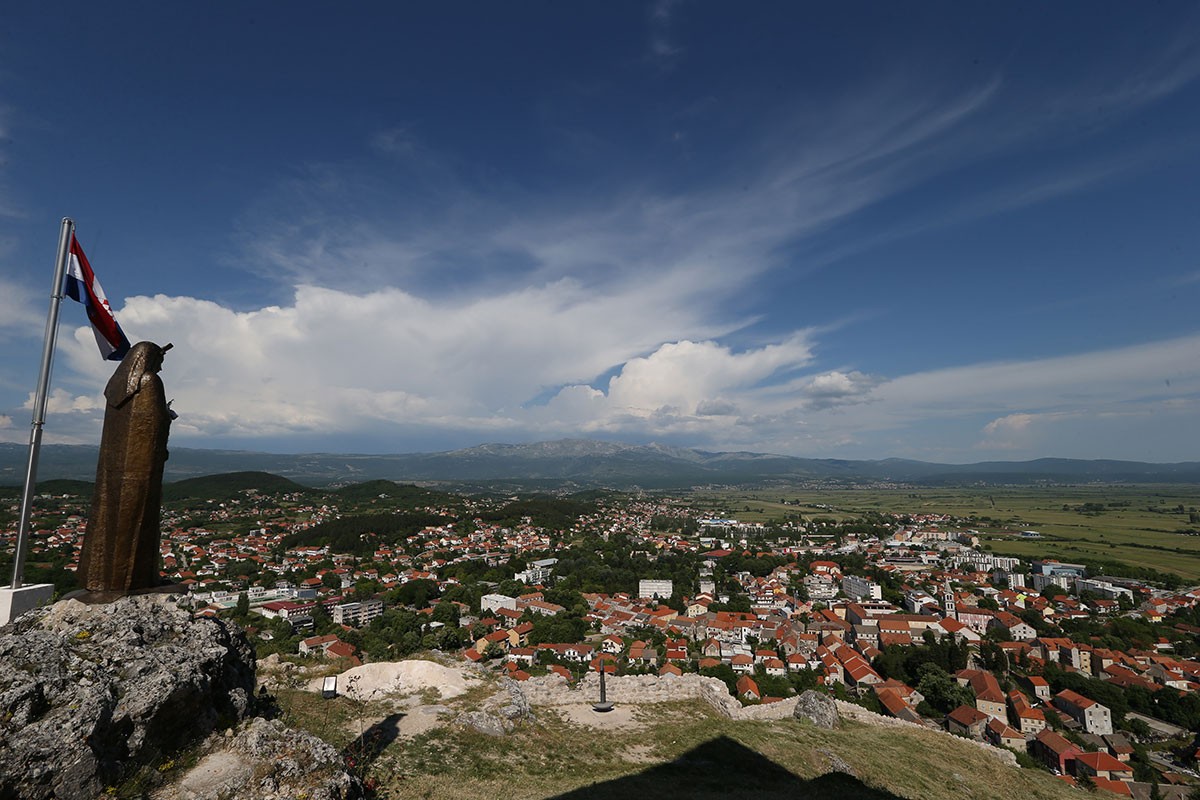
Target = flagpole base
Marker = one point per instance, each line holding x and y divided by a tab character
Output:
15	602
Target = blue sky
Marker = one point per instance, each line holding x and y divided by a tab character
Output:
943	231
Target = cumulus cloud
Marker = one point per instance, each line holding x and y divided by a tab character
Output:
452	307
717	407
838	388
333	363
61	401
1015	431
682	375
1010	423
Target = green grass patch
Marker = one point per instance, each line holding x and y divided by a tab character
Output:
685	750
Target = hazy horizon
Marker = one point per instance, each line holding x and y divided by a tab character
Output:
647	445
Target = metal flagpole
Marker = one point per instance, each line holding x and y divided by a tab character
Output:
40	399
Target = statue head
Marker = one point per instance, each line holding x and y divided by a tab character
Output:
144	358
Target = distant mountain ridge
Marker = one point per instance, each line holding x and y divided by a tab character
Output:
586	463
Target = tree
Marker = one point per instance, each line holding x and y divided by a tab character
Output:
414	593
322	622
365	588
1085	782
557	629
1052	591
446	613
511	588
449	638
804	679
941	691
243	605
1138	728
992	657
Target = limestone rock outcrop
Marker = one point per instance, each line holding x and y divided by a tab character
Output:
819	709
91	694
500	713
265	759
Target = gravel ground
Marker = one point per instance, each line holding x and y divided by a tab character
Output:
401	677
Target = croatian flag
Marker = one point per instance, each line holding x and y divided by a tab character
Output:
83	287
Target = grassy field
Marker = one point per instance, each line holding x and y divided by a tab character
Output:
1137	525
674	750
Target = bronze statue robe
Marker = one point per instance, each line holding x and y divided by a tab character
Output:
121	548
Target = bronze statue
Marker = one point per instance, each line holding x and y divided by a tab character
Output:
121	548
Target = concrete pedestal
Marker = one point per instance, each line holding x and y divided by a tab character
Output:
15	602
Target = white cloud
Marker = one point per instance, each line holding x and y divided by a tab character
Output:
425	299
1076	405
716	407
334	363
18	315
1138	372
1020	431
61	401
1012	423
838	388
682	375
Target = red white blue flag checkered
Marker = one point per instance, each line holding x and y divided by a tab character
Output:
83	287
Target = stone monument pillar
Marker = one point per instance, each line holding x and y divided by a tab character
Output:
121	548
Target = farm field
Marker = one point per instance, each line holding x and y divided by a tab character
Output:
1138	525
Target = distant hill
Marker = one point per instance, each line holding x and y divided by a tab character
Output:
584	464
52	486
220	487
398	494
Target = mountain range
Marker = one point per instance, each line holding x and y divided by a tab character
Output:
586	463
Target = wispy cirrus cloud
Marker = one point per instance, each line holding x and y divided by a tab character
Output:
663	48
423	220
1166	70
9	209
416	293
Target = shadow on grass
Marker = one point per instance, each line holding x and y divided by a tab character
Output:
724	768
360	753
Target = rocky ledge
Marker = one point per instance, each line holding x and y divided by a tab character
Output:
265	760
92	694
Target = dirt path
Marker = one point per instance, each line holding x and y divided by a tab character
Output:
621	717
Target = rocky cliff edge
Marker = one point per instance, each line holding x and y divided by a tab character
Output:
94	696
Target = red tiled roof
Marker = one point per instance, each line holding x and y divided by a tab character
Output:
967	716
